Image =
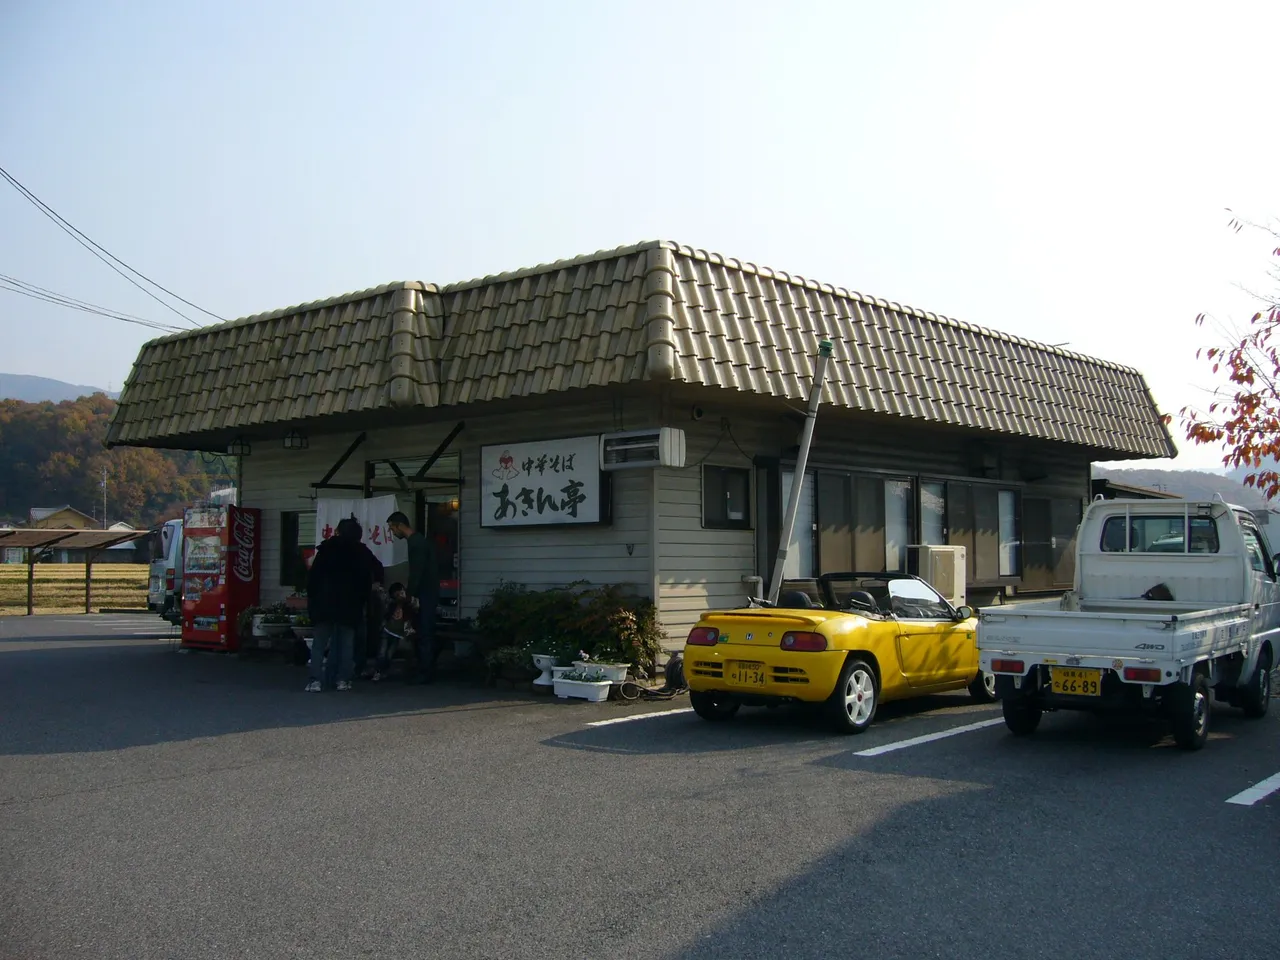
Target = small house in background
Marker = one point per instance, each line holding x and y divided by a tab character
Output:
65	517
136	551
1114	490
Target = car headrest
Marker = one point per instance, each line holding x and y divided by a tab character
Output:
860	598
795	599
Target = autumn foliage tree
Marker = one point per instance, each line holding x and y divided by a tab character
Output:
53	454
1244	414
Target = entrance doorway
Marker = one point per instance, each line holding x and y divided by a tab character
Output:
432	497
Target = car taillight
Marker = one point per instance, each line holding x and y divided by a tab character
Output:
803	641
168	582
1142	674
704	636
1008	666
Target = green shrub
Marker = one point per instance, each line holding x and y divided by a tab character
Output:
603	622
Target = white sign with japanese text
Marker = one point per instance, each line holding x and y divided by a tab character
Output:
541	482
372	514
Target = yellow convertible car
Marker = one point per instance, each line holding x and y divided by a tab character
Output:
855	640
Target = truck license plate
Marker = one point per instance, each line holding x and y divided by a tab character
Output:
746	673
1079	682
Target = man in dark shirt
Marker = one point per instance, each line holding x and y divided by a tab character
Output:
338	586
423	586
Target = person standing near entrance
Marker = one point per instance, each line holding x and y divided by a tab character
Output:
423	586
369	632
338	587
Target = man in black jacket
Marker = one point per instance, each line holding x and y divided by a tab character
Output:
337	588
369	632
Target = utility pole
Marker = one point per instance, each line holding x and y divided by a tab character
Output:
104	498
802	460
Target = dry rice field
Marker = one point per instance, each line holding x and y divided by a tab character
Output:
59	587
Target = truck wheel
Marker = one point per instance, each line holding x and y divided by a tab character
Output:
1188	706
1021	715
1256	694
852	704
983	688
712	706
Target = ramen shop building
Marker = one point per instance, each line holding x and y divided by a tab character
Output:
632	416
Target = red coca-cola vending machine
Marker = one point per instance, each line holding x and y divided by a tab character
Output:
221	564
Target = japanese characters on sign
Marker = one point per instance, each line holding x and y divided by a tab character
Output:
541	482
372	514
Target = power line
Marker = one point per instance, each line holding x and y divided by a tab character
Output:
93	247
75	302
14	285
87	309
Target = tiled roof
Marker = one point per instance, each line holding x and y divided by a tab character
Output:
42	513
654	311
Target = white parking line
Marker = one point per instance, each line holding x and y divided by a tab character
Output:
1247	798
927	738
639	716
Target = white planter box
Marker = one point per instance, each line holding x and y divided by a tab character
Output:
613	672
261	629
595	691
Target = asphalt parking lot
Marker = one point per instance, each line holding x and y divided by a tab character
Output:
160	805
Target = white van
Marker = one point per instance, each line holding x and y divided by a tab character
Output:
164	588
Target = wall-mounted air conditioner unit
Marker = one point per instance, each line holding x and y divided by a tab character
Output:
659	447
943	568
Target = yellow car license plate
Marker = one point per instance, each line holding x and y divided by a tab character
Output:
746	673
1080	682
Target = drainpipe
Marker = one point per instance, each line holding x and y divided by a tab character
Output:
802	460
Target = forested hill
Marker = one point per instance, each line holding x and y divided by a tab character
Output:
52	454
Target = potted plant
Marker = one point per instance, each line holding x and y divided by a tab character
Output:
302	627
543	662
612	670
247	622
510	663
586	686
274	622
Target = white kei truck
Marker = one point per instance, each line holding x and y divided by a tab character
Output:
1175	604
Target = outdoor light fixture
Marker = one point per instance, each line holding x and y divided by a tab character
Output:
293	440
239	447
454	503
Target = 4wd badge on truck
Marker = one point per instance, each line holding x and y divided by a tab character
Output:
1149	646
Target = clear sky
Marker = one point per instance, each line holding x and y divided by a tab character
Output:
1057	171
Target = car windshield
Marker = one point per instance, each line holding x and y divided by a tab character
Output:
906	597
850	591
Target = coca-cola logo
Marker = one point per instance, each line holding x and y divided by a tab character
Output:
242	534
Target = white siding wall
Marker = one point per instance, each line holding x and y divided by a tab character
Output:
277	480
697	568
700	568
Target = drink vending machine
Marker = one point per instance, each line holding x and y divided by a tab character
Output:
221	573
